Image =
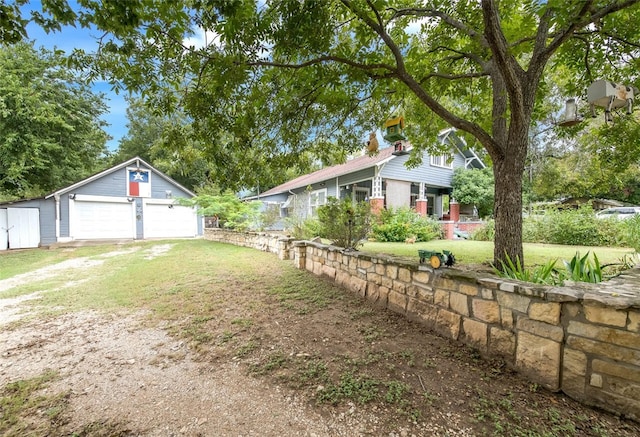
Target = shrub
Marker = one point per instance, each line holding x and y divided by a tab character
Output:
402	223
232	212
486	232
629	232
306	229
572	227
344	222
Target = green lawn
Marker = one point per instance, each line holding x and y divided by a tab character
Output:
237	305
477	252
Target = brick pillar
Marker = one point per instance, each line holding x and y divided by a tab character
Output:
421	207
447	227
454	211
377	205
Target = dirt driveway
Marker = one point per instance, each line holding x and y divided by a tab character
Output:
118	376
126	379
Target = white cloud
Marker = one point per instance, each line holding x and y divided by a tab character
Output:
202	38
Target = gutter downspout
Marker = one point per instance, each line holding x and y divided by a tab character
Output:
57	199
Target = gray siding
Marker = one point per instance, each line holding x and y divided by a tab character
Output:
115	184
111	184
427	173
361	175
47	217
159	187
280	198
64	216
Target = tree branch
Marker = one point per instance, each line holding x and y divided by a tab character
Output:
505	64
453	76
424	12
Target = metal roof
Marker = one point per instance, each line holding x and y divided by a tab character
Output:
355	164
365	162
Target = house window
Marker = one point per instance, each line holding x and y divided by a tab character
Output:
316	199
445	161
361	194
431	201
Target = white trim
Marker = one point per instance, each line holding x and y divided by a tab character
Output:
376	188
438	160
317	204
151	200
138	162
422	191
57	213
138	169
474	156
146	202
73	219
92	198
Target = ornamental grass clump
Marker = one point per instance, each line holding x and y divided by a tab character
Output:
578	269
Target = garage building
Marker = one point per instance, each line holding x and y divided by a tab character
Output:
132	200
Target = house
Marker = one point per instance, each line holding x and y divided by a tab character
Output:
132	200
382	179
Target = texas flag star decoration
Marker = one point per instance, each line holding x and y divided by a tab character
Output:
139	185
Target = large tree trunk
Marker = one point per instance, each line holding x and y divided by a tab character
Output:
507	210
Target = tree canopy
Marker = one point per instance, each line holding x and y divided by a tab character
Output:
284	77
50	128
474	187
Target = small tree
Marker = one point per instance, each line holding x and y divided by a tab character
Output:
232	212
474	187
344	222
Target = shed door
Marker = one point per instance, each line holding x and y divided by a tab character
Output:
163	219
4	225
23	225
108	218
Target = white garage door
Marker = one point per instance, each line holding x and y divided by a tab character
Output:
163	219
107	218
23	225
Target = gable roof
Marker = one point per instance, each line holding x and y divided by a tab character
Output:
450	135
137	161
355	164
366	161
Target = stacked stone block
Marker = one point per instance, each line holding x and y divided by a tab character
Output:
582	339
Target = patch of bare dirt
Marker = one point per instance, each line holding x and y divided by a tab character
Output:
294	370
118	371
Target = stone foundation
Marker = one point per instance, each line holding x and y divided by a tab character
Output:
581	339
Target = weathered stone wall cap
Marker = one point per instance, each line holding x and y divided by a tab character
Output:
531	290
612	301
490	282
460	275
561	294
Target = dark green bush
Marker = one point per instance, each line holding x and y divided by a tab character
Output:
344	222
397	225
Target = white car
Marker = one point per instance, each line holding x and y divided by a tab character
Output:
621	213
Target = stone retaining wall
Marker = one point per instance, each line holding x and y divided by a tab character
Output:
581	339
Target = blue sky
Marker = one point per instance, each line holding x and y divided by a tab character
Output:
70	38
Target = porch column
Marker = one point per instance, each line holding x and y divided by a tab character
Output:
421	201
454	210
377	198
